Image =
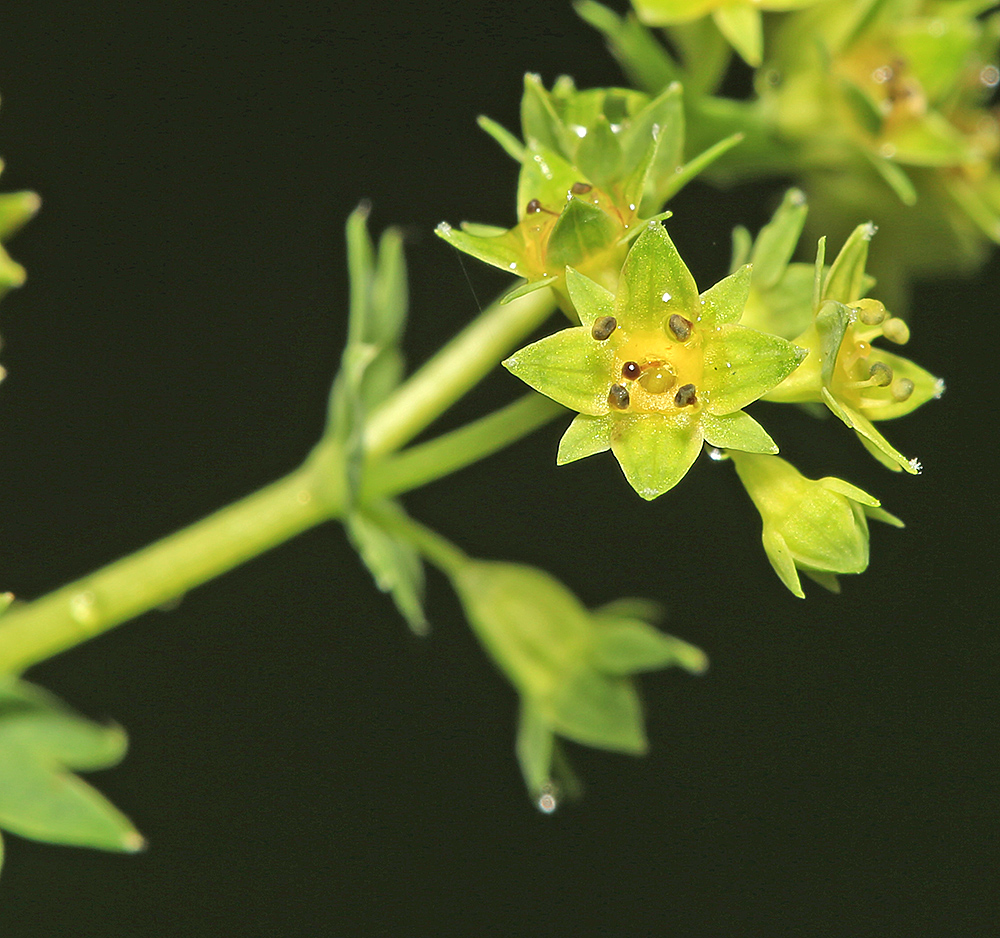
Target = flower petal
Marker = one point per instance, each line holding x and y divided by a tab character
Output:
724	302
591	300
742	364
781	560
655	452
570	366
655	282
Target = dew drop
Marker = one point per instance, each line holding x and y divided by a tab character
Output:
547	800
883	74
990	76
512	265
666	297
717	454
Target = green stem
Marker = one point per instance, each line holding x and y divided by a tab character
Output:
165	569
314	493
453	451
452	371
448	558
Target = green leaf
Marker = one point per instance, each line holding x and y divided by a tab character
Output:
585	436
698	164
737	430
655	452
655	282
40	741
723	303
741	365
395	565
570	366
777	240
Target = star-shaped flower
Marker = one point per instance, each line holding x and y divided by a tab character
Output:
657	369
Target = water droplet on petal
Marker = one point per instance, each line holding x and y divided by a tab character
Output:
990	76
666	297
547	800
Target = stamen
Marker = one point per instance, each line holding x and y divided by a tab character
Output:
902	389
685	395
631	370
870	312
880	374
534	206
618	397
579	188
603	327
895	330
680	327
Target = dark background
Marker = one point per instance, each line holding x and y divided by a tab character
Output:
300	763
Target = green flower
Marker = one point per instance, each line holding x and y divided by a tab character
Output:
738	20
854	378
818	526
571	667
657	369
594	165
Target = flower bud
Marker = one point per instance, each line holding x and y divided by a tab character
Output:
818	526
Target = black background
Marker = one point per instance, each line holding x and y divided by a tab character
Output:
300	763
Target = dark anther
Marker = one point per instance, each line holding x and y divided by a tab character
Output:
685	395
631	370
680	327
603	327
881	374
618	397
579	188
534	206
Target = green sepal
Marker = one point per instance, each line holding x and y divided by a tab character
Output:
633	45
777	240
655	452
542	638
599	153
541	124
582	232
782	562
546	176
508	142
534	748
653	270
630	646
585	436
832	321
589	298
524	289
724	302
393	563
893	175
845	278
569	366
697	165
932	141
41	741
16	209
741	365
741	24
737	430
496	250
872	439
